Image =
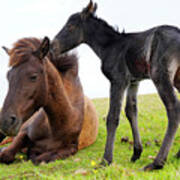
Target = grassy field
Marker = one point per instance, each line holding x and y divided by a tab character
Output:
152	125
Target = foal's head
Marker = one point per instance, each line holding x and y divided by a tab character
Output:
72	33
27	83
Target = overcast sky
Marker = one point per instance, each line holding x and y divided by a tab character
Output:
39	18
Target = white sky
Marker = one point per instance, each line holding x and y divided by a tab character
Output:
39	18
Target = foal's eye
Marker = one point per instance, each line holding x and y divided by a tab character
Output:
33	77
71	27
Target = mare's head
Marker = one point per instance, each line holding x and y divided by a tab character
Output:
27	83
72	34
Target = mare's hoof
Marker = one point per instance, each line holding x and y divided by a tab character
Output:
42	159
136	155
6	158
152	166
36	161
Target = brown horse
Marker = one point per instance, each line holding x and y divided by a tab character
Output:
63	120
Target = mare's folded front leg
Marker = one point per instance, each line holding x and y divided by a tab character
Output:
55	154
7	155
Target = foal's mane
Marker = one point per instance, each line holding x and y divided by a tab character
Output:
23	49
108	28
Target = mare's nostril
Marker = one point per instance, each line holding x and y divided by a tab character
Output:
13	119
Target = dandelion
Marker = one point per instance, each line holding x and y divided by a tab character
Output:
21	156
93	163
95	171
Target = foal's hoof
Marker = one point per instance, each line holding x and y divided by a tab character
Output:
136	155
104	163
152	166
134	158
178	155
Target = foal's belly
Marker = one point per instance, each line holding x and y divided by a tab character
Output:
139	68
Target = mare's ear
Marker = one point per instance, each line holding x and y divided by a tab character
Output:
42	51
7	50
90	9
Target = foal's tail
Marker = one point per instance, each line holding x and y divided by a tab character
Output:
152	45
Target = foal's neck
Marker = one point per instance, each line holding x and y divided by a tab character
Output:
100	37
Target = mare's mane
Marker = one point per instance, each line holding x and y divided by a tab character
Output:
24	48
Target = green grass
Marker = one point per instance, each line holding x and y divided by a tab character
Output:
152	125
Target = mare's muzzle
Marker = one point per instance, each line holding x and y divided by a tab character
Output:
9	124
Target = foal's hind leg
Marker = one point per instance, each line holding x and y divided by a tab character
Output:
167	94
177	85
131	113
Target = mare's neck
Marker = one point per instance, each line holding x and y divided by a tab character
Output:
58	107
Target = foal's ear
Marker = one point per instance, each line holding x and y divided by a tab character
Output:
7	50
42	51
90	9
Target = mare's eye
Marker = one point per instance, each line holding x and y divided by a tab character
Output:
33	77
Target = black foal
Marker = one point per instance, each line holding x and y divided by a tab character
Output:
128	58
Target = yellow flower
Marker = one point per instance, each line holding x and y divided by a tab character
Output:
95	171
93	163
21	157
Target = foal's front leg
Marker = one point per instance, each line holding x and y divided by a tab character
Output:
131	113
116	96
